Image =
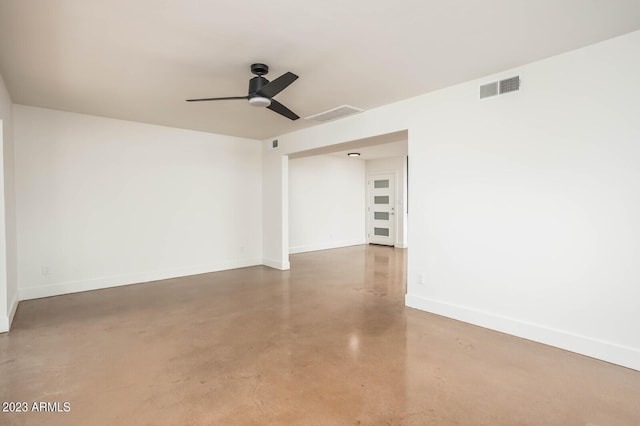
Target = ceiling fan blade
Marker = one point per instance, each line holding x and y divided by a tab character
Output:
277	85
282	110
218	99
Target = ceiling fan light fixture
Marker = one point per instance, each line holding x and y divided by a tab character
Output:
260	101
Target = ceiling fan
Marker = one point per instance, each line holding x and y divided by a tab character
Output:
261	91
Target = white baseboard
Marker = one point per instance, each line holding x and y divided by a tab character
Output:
401	245
326	245
12	311
595	348
275	264
5	321
26	293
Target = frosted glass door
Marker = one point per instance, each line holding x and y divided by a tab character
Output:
381	209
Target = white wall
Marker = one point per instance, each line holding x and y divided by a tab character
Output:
527	205
104	202
397	165
8	282
275	211
326	203
524	207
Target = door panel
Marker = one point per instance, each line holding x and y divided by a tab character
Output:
381	209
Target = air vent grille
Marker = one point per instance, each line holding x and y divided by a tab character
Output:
500	87
510	85
487	90
334	113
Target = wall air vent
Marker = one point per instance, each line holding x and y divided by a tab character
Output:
487	90
334	113
500	87
510	85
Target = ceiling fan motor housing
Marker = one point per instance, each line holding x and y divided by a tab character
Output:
255	84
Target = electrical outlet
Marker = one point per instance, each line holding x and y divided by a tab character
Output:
420	279
45	270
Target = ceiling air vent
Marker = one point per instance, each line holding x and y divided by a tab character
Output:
500	87
335	113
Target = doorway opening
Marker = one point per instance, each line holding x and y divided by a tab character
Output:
337	199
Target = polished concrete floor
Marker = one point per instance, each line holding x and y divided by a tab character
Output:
327	343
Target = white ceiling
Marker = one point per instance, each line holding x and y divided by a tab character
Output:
372	152
379	146
138	60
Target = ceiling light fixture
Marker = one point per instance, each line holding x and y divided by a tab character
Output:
354	154
260	101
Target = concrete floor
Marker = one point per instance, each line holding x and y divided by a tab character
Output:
329	342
